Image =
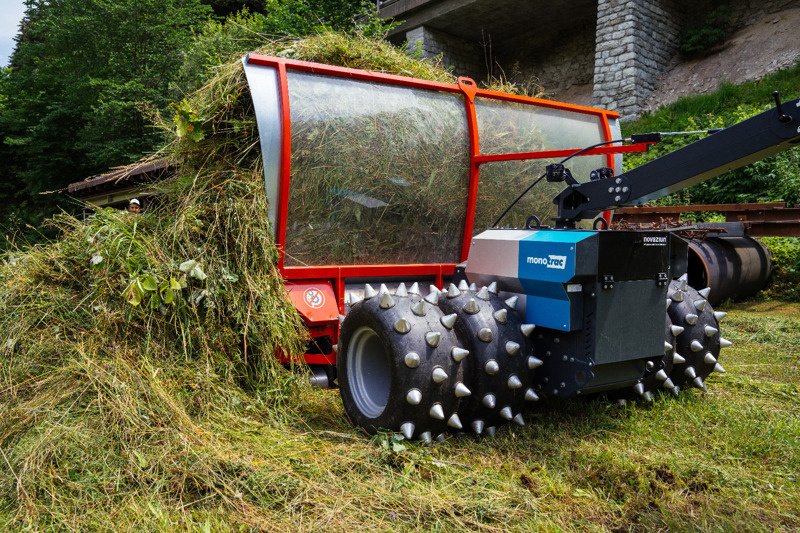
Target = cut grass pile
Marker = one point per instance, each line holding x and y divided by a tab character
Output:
138	388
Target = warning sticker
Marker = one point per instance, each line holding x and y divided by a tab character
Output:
314	298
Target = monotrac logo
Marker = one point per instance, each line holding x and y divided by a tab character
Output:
551	261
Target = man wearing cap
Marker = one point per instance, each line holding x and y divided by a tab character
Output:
134	206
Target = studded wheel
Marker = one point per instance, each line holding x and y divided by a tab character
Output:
698	345
399	364
499	356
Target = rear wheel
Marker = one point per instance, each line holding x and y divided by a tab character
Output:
396	366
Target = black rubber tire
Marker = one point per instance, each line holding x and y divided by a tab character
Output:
697	362
398	376
475	415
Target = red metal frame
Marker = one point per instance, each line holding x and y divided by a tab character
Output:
337	275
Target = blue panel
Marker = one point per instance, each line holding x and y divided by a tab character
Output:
546	262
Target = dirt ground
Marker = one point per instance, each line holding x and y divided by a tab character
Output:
771	44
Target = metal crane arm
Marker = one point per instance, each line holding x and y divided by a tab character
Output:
768	133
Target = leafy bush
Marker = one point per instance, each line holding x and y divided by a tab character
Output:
699	40
785	284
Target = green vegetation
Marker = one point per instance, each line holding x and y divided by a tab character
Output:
700	39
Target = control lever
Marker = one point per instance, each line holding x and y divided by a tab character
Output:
783	117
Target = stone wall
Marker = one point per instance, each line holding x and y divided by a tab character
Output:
465	58
635	43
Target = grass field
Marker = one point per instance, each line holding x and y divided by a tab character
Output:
726	460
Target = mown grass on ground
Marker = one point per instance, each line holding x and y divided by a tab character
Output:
726	460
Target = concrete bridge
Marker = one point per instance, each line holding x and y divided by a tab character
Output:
603	52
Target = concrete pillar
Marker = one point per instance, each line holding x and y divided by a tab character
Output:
462	56
635	43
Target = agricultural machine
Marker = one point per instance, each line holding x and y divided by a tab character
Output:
440	299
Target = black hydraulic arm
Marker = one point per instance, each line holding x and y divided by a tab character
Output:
748	141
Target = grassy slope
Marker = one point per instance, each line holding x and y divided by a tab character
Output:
728	459
726	98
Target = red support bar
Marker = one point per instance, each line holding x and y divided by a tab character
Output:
555	154
469	88
286	164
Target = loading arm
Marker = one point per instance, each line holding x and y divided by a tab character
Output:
748	141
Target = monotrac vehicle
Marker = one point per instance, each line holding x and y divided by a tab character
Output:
441	299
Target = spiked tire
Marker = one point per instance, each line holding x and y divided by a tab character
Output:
396	365
697	347
497	341
657	371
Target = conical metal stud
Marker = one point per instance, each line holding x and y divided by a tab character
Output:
691	319
648	396
676	390
452	291
441	437
531	396
471	307
724	343
414	396
438	375
458	354
527	329
639	388
684	278
677	330
354	299
387	302
426	437
402	326
709	359
705	292
485	334
699	383
719	315
462	285
433	296
383	289
506	413
514	382
501	316
518	420
473	287
677	296
489	401
668	384
436	411
512	302
483	294
491	431
341	318
719	368
412	360
419	308
407	430
696	346
462	391
667	346
369	292
678	359
512	348
491	367
690	372
649	365
669	301
432	338
449	321
534	362
401	290
700	305
477	426
454	422
414	289
661	375
492	287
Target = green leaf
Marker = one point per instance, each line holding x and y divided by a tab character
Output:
174	284
133	294
149	283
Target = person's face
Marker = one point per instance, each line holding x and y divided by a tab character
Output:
134	208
